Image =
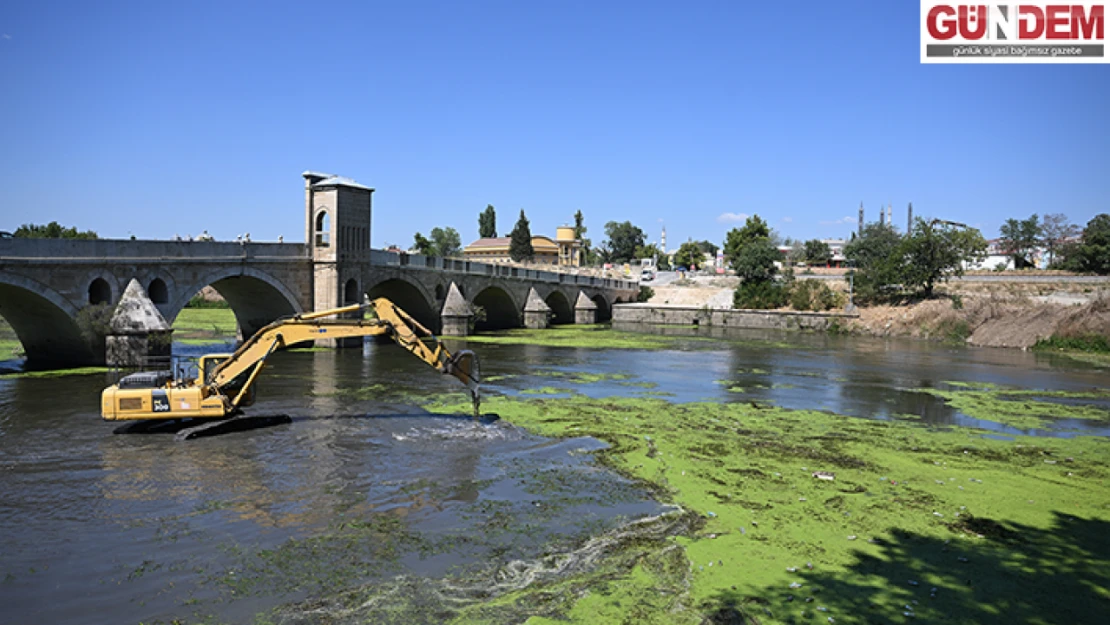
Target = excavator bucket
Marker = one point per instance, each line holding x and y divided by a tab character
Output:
464	366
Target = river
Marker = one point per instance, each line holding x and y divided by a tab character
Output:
364	485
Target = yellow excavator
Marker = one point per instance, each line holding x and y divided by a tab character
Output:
225	382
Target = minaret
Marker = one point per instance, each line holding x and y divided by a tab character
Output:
882	214
663	241
909	218
890	215
860	229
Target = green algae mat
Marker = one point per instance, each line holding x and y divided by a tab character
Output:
798	516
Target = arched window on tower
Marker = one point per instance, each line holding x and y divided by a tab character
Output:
322	229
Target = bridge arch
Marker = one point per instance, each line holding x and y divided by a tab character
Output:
255	297
45	323
411	297
561	309
501	311
604	310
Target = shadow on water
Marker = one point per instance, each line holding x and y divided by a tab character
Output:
1013	574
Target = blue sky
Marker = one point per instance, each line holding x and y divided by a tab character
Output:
156	119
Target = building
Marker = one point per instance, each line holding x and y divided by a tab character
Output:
564	250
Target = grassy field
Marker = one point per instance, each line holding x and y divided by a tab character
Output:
9	344
198	326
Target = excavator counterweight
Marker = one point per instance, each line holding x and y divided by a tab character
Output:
225	382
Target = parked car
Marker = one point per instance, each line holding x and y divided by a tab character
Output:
647	275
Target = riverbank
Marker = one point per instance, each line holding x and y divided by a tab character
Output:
993	314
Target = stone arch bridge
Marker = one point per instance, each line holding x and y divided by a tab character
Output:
47	286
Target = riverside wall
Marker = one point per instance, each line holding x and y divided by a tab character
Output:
655	314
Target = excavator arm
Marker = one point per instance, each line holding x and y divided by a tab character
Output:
387	319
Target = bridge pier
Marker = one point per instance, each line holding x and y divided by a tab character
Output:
456	313
585	310
537	314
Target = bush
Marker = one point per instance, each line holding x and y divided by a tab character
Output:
646	293
812	295
198	301
759	294
1083	343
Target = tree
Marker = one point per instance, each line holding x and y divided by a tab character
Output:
52	230
1055	232
933	252
422	245
579	228
589	255
755	265
446	242
1019	238
817	252
873	255
652	251
708	248
689	255
754	228
624	239
520	241
1093	253
487	223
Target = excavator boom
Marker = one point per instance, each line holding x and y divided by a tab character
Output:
220	389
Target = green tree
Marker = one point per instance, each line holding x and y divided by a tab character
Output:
487	223
934	252
754	228
708	247
817	252
446	242
52	230
872	255
624	239
1019	238
589	254
689	255
520	241
756	261
753	254
421	245
1093	252
579	225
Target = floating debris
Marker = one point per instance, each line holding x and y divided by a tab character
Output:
710	514
809	599
909	614
801	498
795	585
852	537
938	514
822	608
913	582
789	598
962	559
809	565
792	569
824	475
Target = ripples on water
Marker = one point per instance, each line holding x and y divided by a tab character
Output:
137	527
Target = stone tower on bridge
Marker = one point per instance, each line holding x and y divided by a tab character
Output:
337	232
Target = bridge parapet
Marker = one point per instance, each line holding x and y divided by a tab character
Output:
71	250
383	258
